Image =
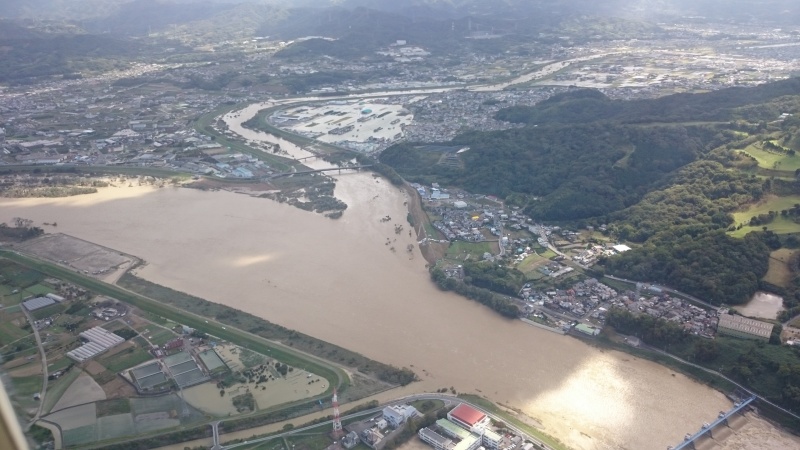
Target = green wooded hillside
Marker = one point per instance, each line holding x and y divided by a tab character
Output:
667	173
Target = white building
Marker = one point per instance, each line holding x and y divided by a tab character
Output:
490	439
396	415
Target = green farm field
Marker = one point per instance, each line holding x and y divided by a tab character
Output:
773	159
781	225
125	359
460	250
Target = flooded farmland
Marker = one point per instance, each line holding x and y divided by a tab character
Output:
763	305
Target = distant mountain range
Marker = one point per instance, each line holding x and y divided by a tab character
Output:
136	17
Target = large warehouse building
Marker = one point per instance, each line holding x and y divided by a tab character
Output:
743	327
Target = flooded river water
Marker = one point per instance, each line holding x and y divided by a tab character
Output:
340	281
354	282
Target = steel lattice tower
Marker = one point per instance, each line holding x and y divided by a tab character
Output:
337	420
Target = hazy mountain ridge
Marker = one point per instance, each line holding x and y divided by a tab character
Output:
183	11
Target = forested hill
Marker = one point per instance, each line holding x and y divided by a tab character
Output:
589	105
666	173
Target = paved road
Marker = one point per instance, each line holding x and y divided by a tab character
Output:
44	364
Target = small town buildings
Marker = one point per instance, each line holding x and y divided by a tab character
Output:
743	327
469	418
350	440
371	437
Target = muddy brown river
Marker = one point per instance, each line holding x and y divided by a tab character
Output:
340	280
353	282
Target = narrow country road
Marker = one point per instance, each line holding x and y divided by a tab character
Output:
44	364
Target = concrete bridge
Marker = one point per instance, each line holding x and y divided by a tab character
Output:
215	432
709	427
328	169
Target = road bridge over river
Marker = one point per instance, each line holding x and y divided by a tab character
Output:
328	169
708	428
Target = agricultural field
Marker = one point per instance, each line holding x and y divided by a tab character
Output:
13	327
779	272
159	336
461	251
125	359
530	265
780	225
76	388
92	402
110	419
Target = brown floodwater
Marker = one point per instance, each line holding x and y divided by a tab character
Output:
340	280
764	305
354	282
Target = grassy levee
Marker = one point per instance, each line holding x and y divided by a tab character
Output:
499	412
335	376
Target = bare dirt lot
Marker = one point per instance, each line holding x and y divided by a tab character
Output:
118	388
81	255
82	390
74	417
94	368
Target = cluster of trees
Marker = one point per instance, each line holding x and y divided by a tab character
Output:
656	332
126	333
23	229
577	171
694	200
282	369
504	306
244	402
771	146
712	266
494	277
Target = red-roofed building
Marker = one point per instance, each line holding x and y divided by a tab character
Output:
468	417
